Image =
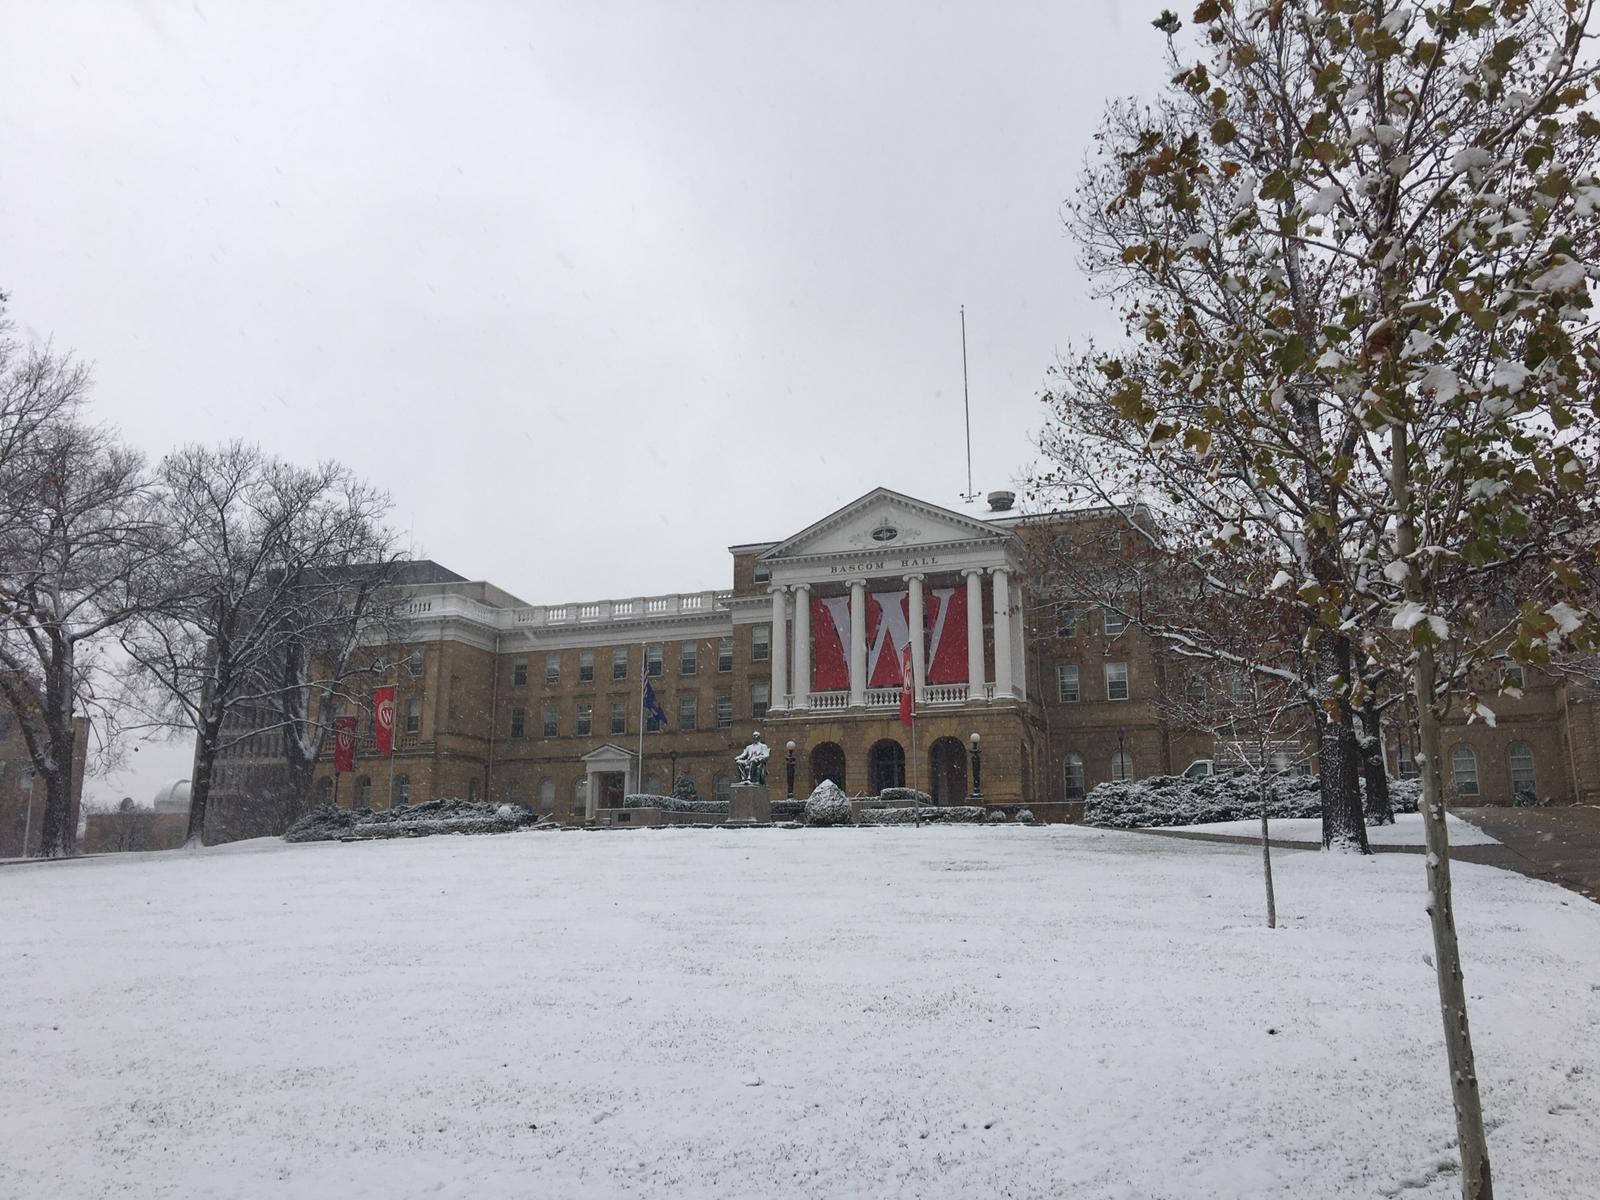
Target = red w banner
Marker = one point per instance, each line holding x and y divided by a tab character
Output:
888	633
908	687
344	743
946	627
830	632
383	718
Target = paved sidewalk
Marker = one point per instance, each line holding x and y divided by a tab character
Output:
1561	845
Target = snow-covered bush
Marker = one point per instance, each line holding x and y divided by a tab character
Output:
683	788
1174	800
327	823
828	805
965	814
788	810
674	803
894	794
1024	815
998	814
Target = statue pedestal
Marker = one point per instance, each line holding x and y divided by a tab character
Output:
749	804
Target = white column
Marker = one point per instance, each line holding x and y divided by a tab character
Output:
858	643
801	675
1000	585
1019	647
779	646
975	679
919	651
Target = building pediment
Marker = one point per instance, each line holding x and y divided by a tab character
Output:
884	521
608	755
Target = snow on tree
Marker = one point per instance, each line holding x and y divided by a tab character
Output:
78	548
1354	243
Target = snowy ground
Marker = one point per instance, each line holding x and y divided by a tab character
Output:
938	1012
1406	830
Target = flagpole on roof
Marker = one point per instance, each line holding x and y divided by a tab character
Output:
966	407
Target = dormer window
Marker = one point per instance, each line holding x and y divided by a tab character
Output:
762	573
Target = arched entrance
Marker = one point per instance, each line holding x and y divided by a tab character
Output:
947	771
886	765
827	762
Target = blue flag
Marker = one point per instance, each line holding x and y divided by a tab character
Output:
652	706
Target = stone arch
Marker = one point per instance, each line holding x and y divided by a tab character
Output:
947	771
886	765
827	762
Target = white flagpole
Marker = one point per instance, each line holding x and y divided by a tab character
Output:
644	675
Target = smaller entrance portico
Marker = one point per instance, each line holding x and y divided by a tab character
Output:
610	774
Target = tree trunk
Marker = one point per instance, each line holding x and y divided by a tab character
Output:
1338	756
1476	1183
58	833
1380	811
1266	855
200	786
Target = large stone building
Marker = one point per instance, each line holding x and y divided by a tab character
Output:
540	705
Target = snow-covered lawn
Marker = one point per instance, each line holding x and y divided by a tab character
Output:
1406	830
938	1012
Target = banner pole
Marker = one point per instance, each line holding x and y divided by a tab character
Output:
644	674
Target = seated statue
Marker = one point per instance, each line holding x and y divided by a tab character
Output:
752	761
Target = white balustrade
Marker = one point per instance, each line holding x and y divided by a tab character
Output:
946	693
883	697
830	700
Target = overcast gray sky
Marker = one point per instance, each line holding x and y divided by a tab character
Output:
594	290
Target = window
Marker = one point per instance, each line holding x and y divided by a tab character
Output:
1464	771
1112	621
552	668
413	716
619	663
547	796
619	718
652	723
580	796
1067	683
519	722
1404	763
1121	766
519	672
1504	605
364	792
1196	691
1239	684
762	573
402	790
652	661
1514	676
1114	542
1071	614
688	659
688	710
1524	782
1074	776
552	720
325	791
722	790
586	666
760	697
414	665
585	719
725	654
472	790
724	711
1116	681
761	643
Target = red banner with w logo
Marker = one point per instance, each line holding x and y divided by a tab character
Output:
344	743
383	718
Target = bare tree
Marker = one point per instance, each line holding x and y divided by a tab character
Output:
78	547
262	579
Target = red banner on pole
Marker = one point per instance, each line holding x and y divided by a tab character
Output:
383	719
344	743
908	687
